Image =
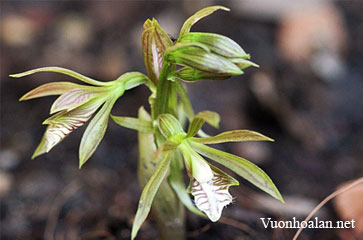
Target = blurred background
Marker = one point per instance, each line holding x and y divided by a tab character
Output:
307	95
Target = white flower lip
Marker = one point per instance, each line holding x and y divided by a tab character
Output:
211	197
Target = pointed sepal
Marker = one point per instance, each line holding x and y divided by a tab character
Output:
63	71
233	136
241	166
218	44
200	58
198	121
197	16
49	89
95	132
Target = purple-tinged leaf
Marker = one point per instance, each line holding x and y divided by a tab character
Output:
48	89
76	97
62	124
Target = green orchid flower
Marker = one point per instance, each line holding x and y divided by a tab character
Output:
77	104
206	56
208	184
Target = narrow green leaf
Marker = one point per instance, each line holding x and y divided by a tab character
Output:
197	16
49	89
95	132
217	43
63	71
242	167
148	194
169	125
233	136
134	123
198	121
175	180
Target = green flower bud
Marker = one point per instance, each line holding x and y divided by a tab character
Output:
190	75
154	43
202	60
217	43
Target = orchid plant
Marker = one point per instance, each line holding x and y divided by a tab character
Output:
164	147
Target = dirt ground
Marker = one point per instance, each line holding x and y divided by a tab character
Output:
307	95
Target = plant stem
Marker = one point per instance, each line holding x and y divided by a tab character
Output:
167	210
162	91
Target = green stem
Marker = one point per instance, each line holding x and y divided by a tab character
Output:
167	210
162	91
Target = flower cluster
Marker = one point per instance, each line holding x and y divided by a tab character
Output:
76	105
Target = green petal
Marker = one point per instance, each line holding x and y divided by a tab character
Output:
148	194
191	74
95	132
63	71
48	89
217	43
175	180
206	116
197	16
198	58
134	123
242	167
233	136
169	125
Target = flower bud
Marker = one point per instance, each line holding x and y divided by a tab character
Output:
202	60
154	43
218	44
190	75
